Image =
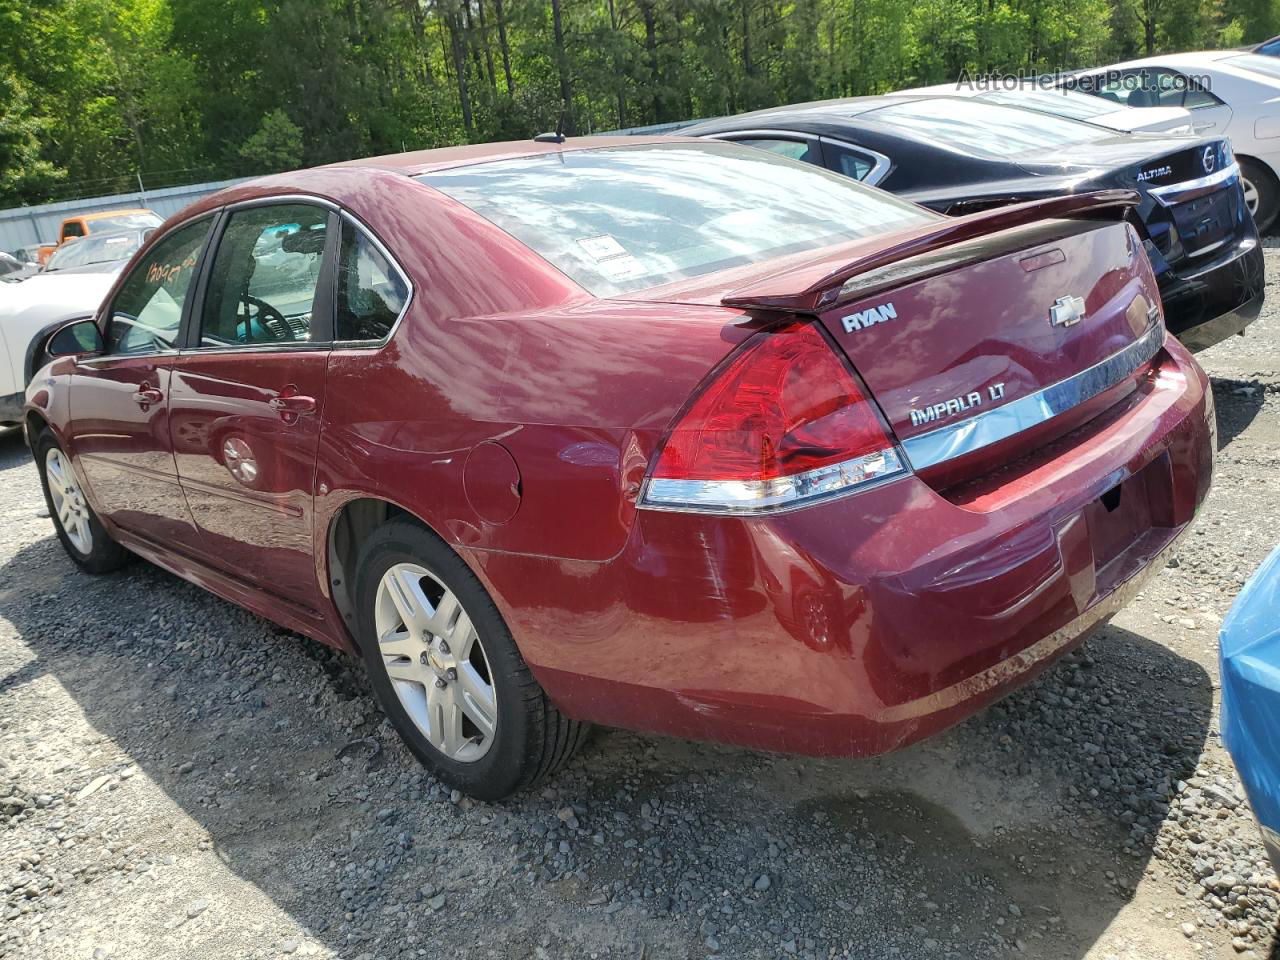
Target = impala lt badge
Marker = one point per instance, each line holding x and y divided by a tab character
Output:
1066	311
949	408
1209	159
869	317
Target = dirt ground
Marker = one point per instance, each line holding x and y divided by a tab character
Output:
180	779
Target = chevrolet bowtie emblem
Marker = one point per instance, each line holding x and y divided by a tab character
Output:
1066	311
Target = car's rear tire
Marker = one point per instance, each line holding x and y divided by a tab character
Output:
447	672
1261	193
81	532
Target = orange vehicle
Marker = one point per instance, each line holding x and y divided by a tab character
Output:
83	225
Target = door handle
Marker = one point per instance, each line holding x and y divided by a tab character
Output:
292	405
147	395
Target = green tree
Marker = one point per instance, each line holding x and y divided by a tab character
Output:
276	144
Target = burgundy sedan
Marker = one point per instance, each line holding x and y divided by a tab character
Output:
672	435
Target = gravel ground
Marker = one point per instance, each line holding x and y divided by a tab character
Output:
181	779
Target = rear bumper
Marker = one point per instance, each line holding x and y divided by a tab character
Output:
860	625
1207	305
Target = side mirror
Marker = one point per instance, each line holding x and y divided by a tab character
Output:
75	339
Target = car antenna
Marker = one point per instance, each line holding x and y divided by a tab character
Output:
558	136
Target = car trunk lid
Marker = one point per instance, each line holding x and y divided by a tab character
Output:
987	327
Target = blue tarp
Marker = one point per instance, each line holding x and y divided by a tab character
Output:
1250	659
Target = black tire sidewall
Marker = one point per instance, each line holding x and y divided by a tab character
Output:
105	555
506	766
1268	193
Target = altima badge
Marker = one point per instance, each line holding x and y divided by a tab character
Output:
1066	311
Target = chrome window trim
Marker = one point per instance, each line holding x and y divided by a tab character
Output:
732	135
290	346
282	198
879	169
1172	193
965	437
395	265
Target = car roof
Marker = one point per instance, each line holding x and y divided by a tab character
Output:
839	107
346	181
98	215
419	162
1187	59
825	111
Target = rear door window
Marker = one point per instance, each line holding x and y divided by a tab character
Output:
147	312
795	148
849	161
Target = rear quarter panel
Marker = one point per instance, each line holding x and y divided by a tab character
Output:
578	398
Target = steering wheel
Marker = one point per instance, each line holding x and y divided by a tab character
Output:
267	316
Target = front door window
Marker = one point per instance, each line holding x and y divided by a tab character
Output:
262	286
147	312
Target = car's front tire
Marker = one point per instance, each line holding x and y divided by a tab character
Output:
1261	193
81	532
447	672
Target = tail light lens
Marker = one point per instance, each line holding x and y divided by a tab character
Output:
784	423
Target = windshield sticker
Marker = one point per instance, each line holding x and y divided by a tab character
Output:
602	247
625	267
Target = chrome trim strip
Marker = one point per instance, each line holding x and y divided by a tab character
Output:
749	498
1176	192
272	199
958	439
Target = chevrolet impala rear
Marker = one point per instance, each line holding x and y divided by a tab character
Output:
673	435
924	461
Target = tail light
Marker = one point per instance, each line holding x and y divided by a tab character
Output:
784	423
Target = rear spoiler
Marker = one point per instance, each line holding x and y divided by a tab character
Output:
821	283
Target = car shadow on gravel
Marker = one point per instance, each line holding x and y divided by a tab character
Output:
1025	829
1237	403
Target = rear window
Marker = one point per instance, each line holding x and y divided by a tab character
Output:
1064	103
619	219
988	130
124	221
96	249
1258	63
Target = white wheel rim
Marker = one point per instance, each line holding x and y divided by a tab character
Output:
436	662
69	505
1250	196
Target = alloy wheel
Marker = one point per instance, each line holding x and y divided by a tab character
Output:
1250	196
436	662
68	501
